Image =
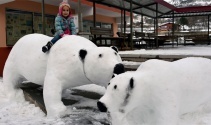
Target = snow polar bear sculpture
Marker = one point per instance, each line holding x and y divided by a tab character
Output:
72	61
159	92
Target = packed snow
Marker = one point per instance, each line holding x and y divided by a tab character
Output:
150	96
57	71
16	113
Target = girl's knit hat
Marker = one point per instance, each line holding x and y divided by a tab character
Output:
62	4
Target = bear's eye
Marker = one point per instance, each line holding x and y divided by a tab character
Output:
115	86
108	84
100	55
115	53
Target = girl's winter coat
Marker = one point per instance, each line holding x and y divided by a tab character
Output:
64	26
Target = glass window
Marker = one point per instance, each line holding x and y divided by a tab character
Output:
106	25
20	23
87	24
49	24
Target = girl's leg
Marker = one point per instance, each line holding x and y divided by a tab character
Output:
55	39
48	46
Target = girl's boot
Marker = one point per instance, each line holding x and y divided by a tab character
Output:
47	47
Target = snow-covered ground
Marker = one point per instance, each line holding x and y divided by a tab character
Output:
14	113
84	112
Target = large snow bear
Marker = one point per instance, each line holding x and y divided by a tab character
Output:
72	61
159	92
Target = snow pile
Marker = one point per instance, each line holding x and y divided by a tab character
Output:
14	113
160	89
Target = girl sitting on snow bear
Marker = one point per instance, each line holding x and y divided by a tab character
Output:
64	25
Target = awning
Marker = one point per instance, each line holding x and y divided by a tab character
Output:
143	7
148	8
190	11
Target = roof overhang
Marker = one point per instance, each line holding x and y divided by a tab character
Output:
189	11
156	8
150	8
193	9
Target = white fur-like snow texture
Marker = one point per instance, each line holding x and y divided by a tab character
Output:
61	68
159	92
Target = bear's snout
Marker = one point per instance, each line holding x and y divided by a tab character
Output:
119	68
101	106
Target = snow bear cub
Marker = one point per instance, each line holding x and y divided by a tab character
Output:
72	61
159	92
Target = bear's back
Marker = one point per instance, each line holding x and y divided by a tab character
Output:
71	44
27	59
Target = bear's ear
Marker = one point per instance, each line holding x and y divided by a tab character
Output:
115	48
131	83
82	54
